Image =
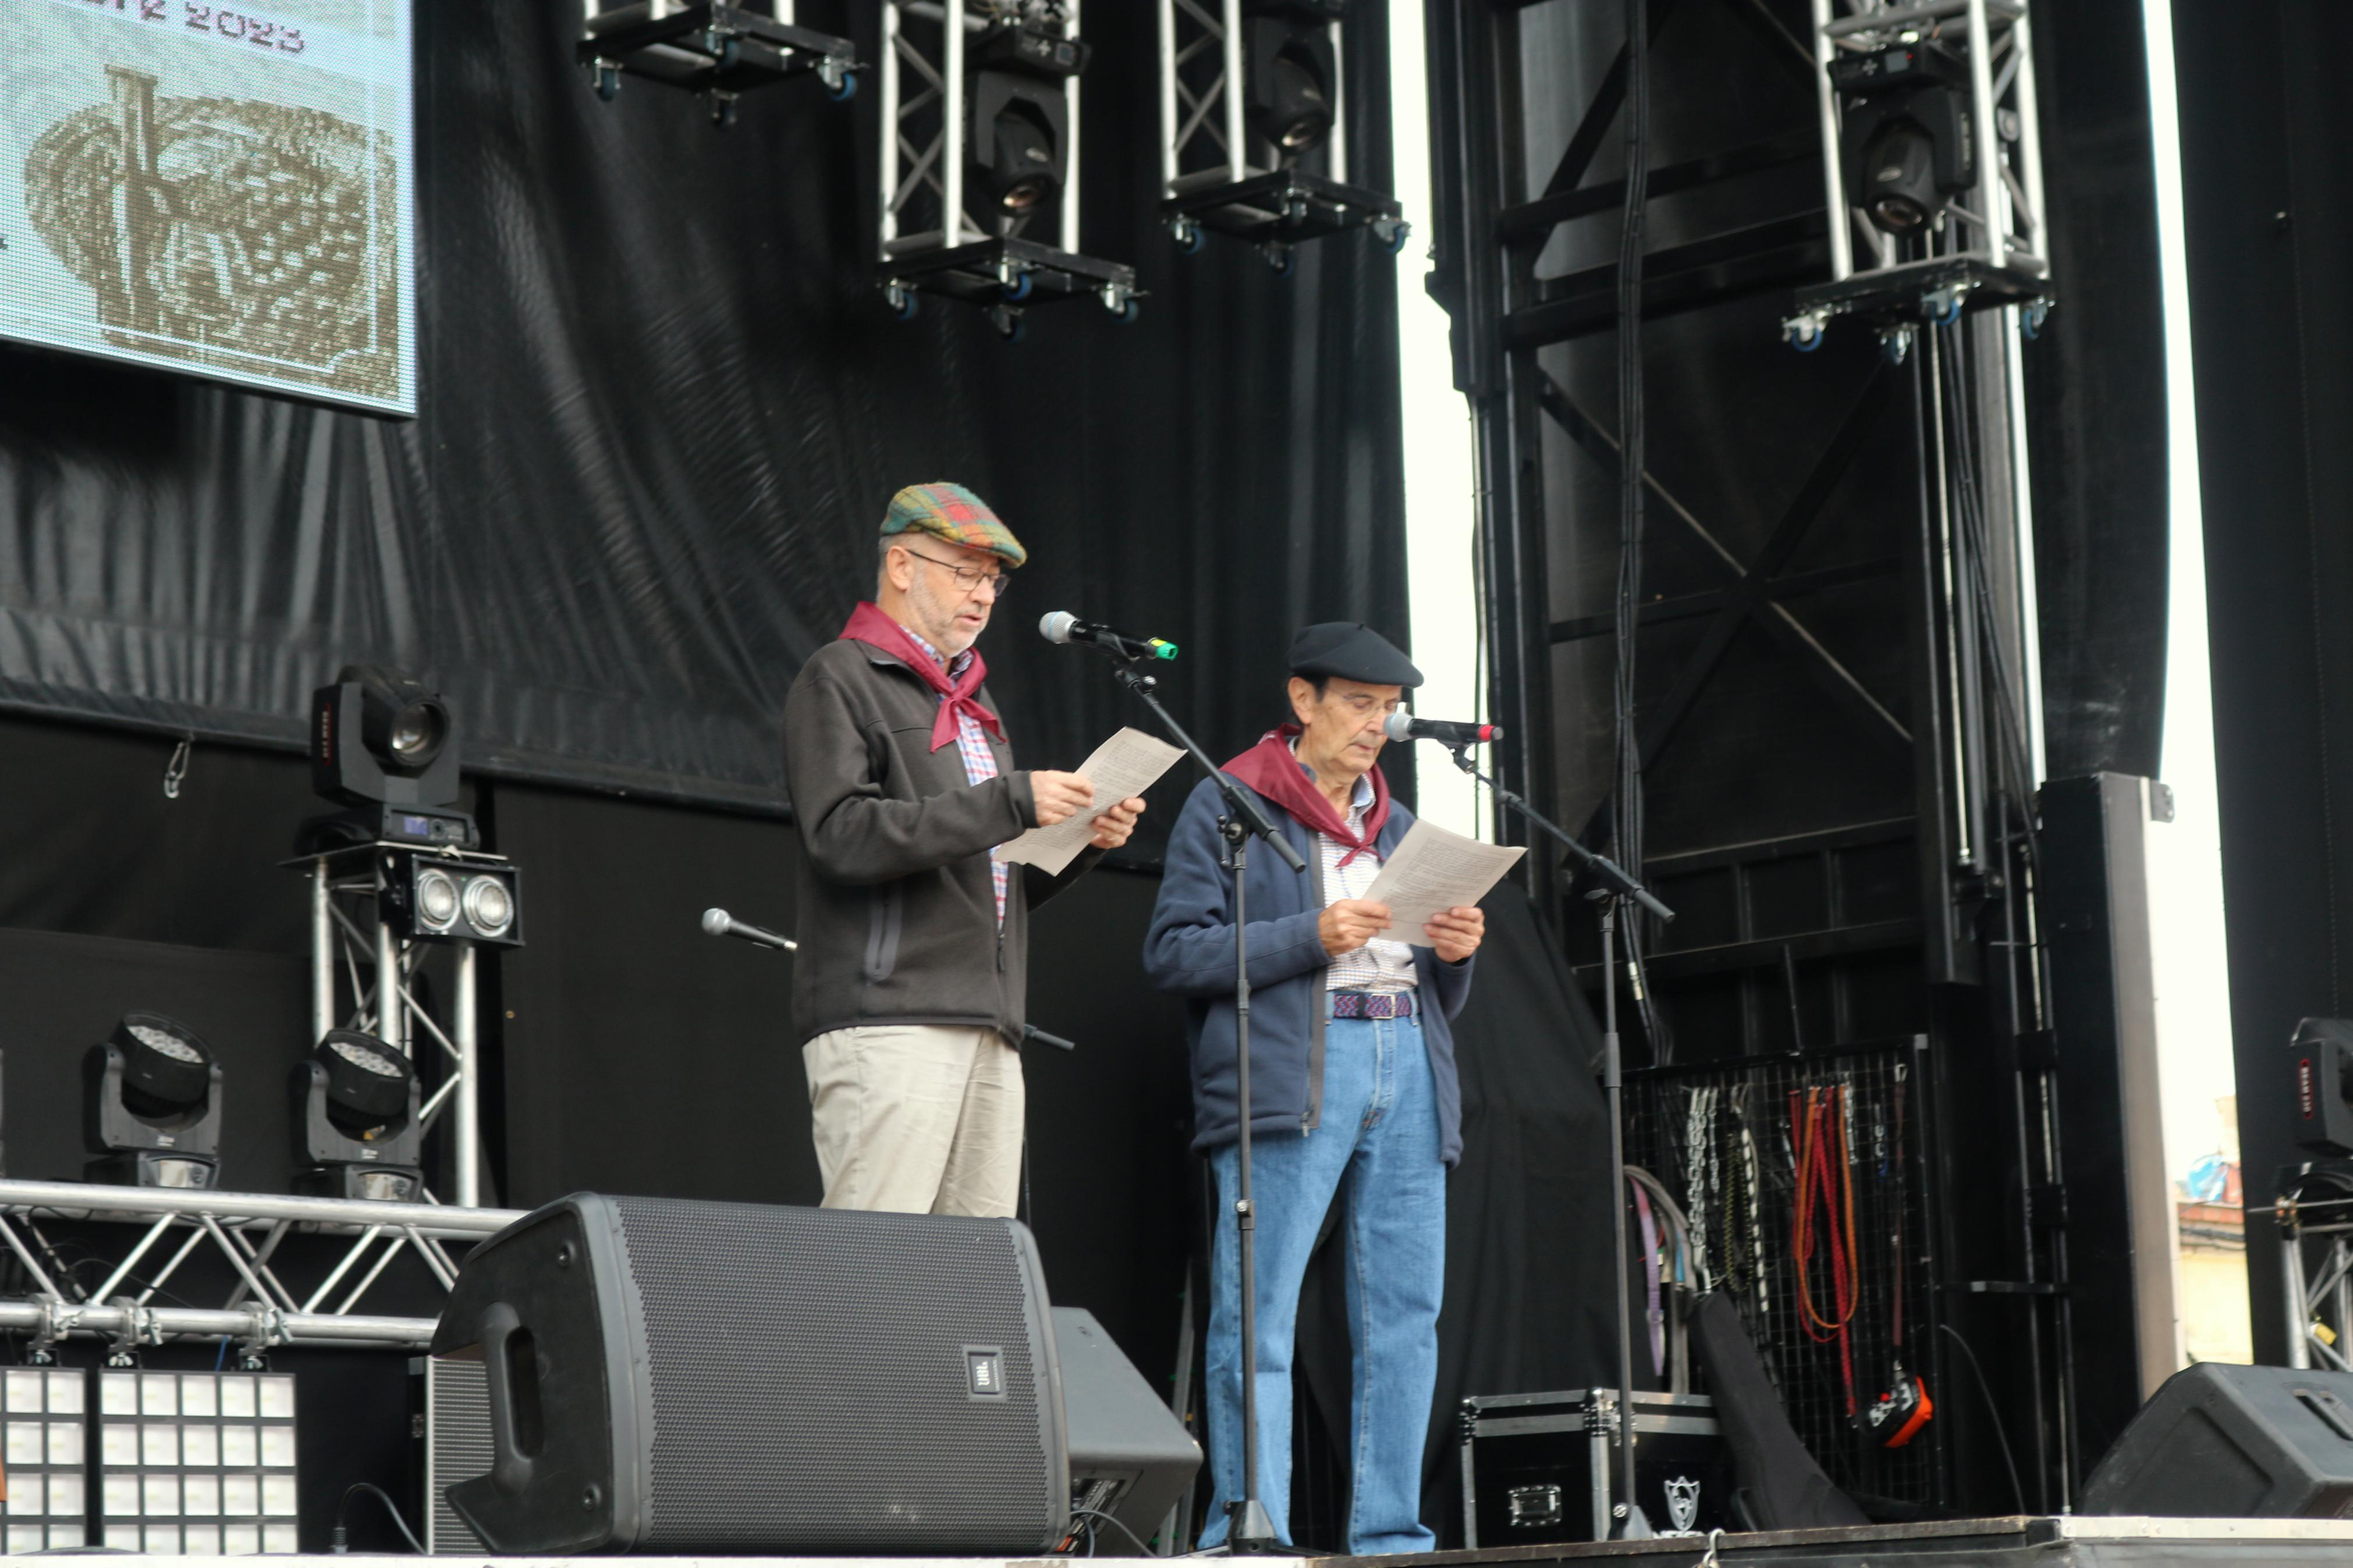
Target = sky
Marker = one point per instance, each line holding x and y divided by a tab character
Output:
2184	856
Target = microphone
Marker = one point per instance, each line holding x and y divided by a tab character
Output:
1403	726
719	923
1061	626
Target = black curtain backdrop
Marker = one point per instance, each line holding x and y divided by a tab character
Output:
2268	230
662	410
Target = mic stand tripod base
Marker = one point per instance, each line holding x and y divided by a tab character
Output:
1251	1533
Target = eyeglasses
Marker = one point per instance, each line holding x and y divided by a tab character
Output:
968	579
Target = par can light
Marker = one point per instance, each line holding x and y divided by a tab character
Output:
433	895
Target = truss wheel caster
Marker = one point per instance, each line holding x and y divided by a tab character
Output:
722	111
1392	232
607	76
1007	323
2031	317
1186	233
1014	285
1944	306
902	299
840	81
1294	212
1121	306
1803	333
1279	257
1896	344
723	47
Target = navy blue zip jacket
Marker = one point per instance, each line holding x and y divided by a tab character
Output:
1191	950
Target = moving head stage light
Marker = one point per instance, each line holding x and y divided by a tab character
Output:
1931	163
152	1105
980	157
385	743
357	1121
1251	95
718	51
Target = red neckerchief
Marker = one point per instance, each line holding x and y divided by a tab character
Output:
1275	772
870	625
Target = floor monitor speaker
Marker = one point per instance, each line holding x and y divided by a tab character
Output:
2218	1441
682	1378
1131	1459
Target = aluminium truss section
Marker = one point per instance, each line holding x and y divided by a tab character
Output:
1218	173
1987	247
717	50
307	1296
350	940
930	242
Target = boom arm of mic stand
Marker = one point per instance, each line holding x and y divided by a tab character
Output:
1240	803
1604	870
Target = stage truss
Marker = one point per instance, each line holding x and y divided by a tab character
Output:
270	1305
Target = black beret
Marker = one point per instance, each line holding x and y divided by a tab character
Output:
1351	652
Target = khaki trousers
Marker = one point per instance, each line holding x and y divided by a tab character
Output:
917	1117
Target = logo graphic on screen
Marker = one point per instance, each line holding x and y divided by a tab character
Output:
214	191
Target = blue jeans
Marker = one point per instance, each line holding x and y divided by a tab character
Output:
1379	1137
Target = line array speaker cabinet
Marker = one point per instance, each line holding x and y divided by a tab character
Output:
2234	1442
690	1377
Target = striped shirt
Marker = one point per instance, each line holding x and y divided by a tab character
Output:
972	746
1380	964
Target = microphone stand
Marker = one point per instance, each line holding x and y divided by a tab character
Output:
1250	1529
1612	887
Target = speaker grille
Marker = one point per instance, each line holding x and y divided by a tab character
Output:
457	1448
811	1379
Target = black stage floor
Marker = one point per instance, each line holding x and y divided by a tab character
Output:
1964	1543
2063	1542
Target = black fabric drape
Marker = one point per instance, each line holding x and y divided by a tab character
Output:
662	410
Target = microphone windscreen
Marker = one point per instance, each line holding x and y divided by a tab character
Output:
1399	726
1055	626
716	922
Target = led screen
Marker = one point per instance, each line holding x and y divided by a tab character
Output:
219	190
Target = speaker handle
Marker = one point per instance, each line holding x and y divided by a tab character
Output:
510	1468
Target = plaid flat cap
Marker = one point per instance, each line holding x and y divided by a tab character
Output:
955	515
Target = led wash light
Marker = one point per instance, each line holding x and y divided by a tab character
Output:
150	1105
357	1119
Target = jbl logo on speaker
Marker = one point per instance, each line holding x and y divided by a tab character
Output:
983	1372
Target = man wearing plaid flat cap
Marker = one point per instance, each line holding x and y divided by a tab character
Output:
910	987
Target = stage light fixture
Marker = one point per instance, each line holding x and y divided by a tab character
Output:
1019	143
438	896
385	744
1292	74
1908	134
357	1106
150	1105
1254	127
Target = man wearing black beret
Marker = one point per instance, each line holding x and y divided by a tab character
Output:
1352	1089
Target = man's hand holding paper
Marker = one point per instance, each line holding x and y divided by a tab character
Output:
1433	885
1118	772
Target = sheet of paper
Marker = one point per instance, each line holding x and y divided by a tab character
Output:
1433	871
1127	765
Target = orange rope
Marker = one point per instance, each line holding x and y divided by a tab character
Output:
1810	1136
